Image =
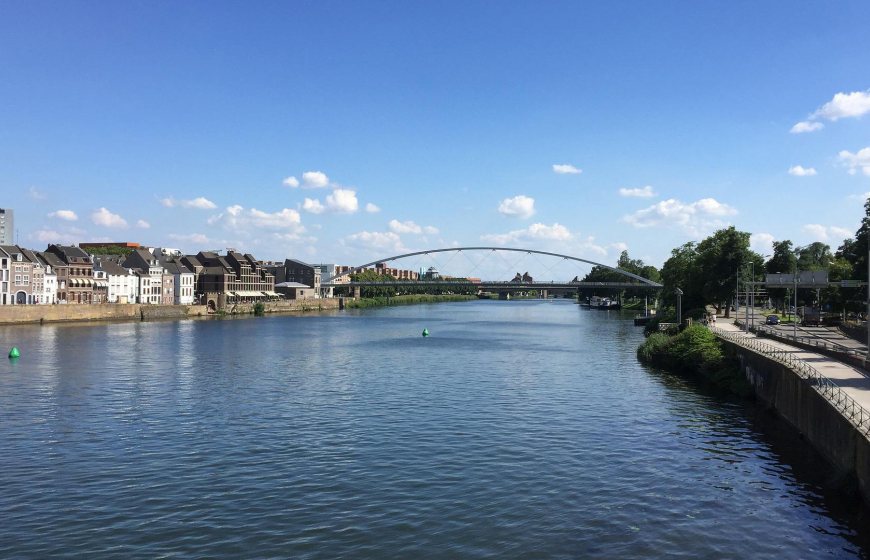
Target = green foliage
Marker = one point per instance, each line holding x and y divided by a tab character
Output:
605	274
110	250
259	309
696	351
405	300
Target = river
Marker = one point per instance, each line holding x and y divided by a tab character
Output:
515	430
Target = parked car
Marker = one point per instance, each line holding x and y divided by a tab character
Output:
772	320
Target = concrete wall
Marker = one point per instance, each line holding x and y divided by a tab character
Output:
101	312
811	414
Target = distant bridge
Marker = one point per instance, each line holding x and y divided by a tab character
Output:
636	281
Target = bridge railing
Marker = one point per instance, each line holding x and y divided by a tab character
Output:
854	412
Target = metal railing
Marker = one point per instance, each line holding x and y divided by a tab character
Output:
854	412
813	341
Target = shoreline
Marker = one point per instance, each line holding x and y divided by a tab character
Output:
14	315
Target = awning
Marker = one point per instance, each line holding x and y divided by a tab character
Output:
87	282
73	282
270	294
250	294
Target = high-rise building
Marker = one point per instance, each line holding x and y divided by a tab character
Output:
7	227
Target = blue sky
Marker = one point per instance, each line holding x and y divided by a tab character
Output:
346	131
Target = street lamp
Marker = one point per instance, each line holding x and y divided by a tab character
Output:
679	293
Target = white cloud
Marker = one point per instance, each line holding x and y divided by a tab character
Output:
196	238
410	227
845	105
52	236
377	240
105	218
142	224
806	126
762	243
404	227
67	215
200	203
35	194
619	246
566	169
643	192
856	161
800	171
315	180
555	232
291	182
819	232
313	206
693	218
342	201
520	205
372	208
862	197
237	218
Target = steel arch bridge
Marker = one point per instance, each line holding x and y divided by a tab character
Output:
638	281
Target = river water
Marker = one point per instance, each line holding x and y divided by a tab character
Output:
515	430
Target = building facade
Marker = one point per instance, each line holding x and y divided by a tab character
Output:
7	226
76	276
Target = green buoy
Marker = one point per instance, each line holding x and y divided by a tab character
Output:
425	332
14	353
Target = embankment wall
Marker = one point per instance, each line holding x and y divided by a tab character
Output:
809	412
11	314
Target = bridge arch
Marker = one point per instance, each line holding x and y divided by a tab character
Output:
460	249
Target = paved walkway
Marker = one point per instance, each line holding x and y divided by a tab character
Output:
852	381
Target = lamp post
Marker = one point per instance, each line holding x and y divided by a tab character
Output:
679	293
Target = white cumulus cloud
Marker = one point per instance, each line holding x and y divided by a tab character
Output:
857	161
377	240
103	217
819	232
555	232
342	201
142	224
200	203
67	215
566	169
800	171
520	205
806	126
237	218
845	105
197	238
693	218
762	243
642	192
315	180
372	208
404	227
842	106
291	182
313	206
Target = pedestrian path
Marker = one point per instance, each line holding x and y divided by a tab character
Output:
852	381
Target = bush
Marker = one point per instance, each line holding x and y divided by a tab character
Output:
259	309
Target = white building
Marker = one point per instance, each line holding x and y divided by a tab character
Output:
183	282
123	285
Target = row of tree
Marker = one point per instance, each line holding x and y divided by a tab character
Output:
391	287
707	271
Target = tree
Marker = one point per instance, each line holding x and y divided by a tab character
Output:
719	258
681	271
815	256
783	261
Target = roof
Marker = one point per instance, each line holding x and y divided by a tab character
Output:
293	285
110	267
72	251
176	268
294	261
51	259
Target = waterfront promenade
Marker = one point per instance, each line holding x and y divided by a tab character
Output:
851	380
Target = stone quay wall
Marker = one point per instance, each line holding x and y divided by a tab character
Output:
12	314
824	427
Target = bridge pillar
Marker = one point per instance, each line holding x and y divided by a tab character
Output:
504	295
544	294
357	292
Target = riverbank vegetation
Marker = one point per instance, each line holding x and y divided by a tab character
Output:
382	301
698	352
